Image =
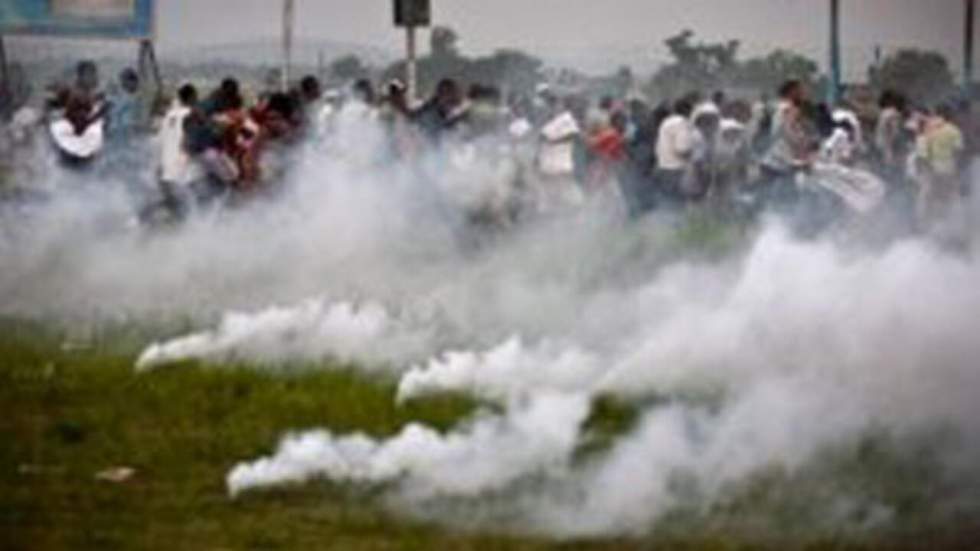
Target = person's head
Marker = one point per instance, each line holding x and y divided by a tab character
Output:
228	96
683	107
792	91
658	116
309	88
129	80
364	91
397	94
87	75
282	104
607	103
719	99
187	95
281	114
229	87
887	99
448	94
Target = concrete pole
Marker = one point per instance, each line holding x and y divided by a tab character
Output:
5	87
288	16
833	94
969	6
411	64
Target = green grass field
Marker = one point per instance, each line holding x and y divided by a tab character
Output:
70	412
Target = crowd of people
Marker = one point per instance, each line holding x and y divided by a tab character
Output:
732	156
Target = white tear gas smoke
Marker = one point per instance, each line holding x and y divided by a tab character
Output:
534	436
508	371
763	359
315	330
778	422
810	348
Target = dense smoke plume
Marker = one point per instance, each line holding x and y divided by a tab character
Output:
765	358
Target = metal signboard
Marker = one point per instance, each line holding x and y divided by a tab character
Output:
413	13
111	19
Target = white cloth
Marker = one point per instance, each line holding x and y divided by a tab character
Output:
860	190
706	109
557	154
519	128
83	146
557	159
838	148
174	162
562	127
850	117
731	125
674	143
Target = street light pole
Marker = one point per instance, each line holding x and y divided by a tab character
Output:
968	45
411	63
833	94
288	15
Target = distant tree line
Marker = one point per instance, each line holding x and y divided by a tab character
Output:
922	76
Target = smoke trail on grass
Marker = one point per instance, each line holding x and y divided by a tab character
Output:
532	437
505	372
313	331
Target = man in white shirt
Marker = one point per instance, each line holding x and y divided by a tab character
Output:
176	168
556	187
675	143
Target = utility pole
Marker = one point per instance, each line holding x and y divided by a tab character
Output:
833	94
968	46
321	66
5	87
288	16
410	15
411	63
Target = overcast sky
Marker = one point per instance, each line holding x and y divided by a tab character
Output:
574	27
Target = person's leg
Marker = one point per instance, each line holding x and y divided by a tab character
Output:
669	182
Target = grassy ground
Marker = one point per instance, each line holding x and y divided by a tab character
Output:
69	413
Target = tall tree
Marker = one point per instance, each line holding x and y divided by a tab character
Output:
923	76
348	67
444	42
695	66
768	72
704	66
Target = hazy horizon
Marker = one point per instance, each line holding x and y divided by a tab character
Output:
589	31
